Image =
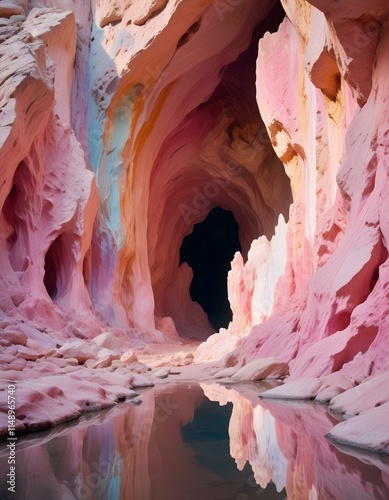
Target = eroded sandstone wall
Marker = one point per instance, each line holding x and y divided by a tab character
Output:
48	195
330	73
124	123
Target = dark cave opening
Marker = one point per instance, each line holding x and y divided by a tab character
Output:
53	261
250	181
209	250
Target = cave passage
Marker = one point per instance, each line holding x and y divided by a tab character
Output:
209	250
52	260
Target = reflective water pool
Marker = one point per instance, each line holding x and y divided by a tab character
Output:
189	441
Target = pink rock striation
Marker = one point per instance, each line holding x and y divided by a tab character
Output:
123	124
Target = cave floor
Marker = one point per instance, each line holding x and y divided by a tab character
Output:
179	359
52	390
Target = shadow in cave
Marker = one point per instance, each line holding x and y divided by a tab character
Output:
52	260
209	250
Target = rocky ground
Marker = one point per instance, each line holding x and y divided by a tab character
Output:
57	383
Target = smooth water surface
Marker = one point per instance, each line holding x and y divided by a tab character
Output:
189	442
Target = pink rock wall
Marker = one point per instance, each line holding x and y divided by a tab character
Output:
48	196
328	311
186	154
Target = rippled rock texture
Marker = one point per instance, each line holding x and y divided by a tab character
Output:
124	124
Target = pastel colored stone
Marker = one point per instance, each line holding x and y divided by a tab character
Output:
13	337
225	372
28	354
162	373
17	364
105	358
260	369
11	350
5	358
117	363
72	361
42	350
372	393
140	381
129	357
332	385
367	431
8	9
104	353
300	389
107	340
77	349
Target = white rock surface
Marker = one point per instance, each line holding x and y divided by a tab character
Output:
13	337
107	340
300	389
161	373
260	369
129	357
78	349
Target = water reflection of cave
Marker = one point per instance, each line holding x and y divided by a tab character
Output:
209	250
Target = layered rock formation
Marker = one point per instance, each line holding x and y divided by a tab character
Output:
123	124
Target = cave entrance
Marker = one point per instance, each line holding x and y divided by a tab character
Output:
58	262
52	259
209	250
